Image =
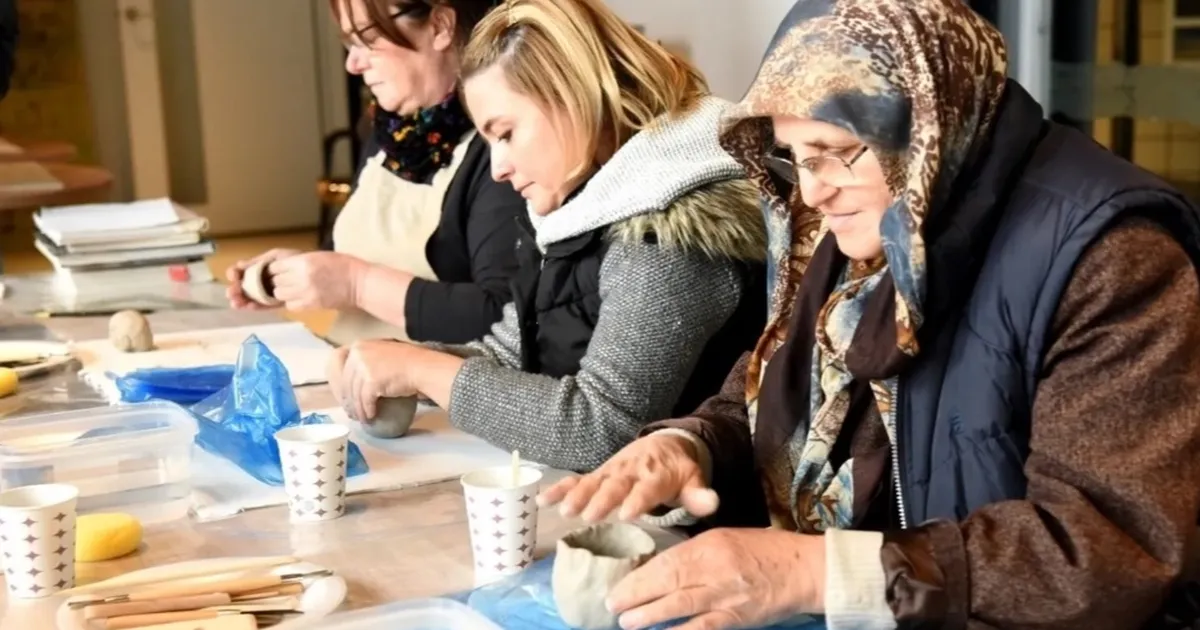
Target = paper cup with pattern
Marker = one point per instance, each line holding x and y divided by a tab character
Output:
502	518
314	457
37	539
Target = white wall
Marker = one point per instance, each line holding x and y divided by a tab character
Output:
725	39
106	79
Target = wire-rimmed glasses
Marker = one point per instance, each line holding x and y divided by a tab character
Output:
831	170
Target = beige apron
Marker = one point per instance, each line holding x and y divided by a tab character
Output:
388	221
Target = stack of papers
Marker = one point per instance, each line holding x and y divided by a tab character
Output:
141	241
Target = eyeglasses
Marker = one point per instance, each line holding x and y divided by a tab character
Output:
359	38
831	170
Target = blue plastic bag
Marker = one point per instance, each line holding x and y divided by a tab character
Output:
239	422
526	601
183	386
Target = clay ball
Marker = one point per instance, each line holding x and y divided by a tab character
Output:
129	331
588	563
393	417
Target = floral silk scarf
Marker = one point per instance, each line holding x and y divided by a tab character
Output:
417	145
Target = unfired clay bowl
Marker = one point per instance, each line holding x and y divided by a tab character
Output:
257	285
393	417
589	562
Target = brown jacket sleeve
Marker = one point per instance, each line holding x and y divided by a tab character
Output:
723	425
1113	471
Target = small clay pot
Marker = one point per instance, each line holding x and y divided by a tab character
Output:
589	562
257	284
393	417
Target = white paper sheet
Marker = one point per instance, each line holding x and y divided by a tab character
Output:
303	354
104	217
431	452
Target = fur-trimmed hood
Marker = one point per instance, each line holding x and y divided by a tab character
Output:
674	181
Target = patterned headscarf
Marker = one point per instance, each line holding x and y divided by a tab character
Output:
918	82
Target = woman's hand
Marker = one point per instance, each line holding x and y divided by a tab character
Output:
365	371
726	578
317	280
658	469
238	299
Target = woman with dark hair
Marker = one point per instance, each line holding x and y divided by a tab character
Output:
424	247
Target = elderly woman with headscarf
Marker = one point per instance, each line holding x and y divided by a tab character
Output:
977	400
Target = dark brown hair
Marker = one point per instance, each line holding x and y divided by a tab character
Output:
467	14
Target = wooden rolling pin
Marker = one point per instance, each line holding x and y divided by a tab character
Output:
166	604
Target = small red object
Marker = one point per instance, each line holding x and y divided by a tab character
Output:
179	273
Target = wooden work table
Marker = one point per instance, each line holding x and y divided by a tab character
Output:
390	545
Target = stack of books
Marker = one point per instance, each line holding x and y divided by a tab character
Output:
94	247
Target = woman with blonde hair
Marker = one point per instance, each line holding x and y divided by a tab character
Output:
640	257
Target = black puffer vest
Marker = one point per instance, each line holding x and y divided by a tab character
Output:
557	298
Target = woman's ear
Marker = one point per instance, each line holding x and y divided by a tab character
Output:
445	27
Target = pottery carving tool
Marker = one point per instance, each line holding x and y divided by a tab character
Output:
261	619
274	606
286	589
234	622
166	604
232	587
209	571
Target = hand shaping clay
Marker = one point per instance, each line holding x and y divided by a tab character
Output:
589	562
257	284
128	331
393	417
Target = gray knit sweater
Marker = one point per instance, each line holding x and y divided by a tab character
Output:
660	303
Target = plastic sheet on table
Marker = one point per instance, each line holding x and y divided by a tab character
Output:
239	422
526	601
184	386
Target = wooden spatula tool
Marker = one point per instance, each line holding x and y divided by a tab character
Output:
232	622
231	587
166	604
131	622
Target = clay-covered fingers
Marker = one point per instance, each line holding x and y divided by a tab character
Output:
554	495
334	373
646	495
580	495
361	387
608	496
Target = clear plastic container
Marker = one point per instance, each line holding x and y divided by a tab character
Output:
133	458
417	614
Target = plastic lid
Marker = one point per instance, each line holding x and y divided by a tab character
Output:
30	439
417	614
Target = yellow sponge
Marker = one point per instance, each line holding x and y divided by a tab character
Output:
106	536
8	381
